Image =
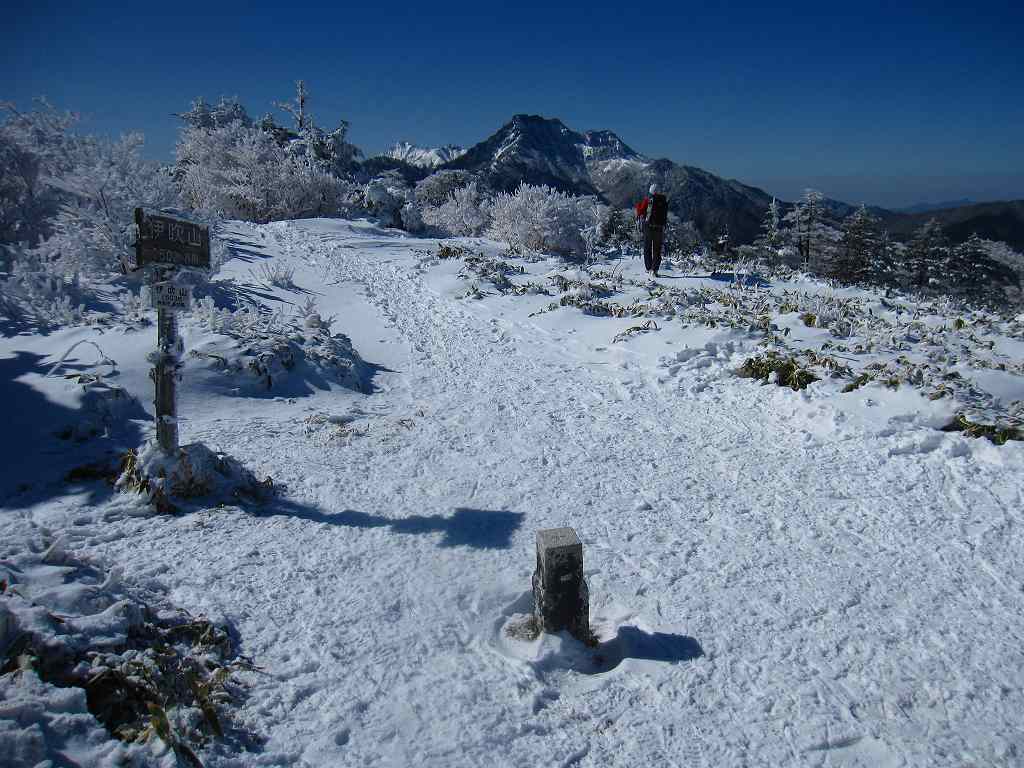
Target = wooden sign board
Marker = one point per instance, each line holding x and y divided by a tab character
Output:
169	242
177	298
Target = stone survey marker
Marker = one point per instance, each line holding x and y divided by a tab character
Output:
560	595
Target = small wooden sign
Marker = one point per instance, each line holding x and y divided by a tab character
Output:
169	242
167	295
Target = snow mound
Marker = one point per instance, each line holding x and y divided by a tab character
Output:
97	676
195	471
286	354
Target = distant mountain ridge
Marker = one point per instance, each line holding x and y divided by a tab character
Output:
540	150
1002	221
424	157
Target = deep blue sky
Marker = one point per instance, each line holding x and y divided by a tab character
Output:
890	103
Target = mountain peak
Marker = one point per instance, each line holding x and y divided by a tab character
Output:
424	157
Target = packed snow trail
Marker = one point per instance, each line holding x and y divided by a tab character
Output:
771	585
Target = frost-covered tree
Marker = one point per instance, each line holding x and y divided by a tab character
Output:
884	268
592	217
539	218
973	275
464	213
927	254
618	229
66	202
858	247
385	199
35	148
771	234
105	184
225	112
435	190
1004	254
317	145
230	166
412	218
524	219
298	109
809	231
72	196
241	171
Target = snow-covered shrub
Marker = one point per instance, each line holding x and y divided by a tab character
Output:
30	145
464	213
112	672
412	218
239	171
310	315
593	217
224	112
274	274
73	196
433	191
266	349
193	471
246	322
539	218
524	219
36	291
1004	254
385	199
104	185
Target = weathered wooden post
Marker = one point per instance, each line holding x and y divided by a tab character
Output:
560	596
165	373
167	244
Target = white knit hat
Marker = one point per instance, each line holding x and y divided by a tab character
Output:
655	189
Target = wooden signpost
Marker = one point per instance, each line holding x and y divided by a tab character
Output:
165	244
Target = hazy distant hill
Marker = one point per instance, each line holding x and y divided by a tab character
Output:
994	221
926	207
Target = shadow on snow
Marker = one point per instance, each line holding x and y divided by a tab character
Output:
630	642
34	459
475	528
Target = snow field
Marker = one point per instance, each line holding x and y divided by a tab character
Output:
776	577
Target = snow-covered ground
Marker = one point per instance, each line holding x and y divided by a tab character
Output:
777	577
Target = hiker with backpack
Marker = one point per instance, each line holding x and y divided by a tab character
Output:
651	218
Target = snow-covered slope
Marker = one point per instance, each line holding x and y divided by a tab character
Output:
422	156
777	577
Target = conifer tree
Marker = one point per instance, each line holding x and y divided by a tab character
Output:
771	236
808	227
883	267
927	254
973	275
858	247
